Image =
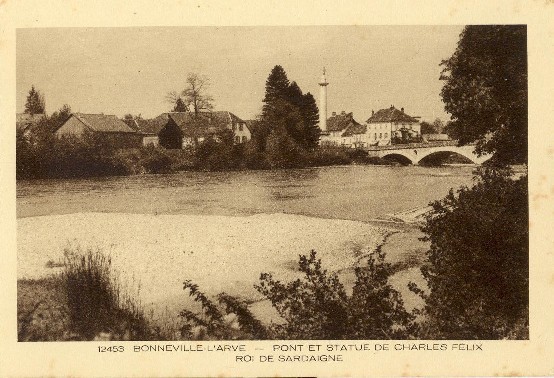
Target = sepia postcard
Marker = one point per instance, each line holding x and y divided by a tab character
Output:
276	189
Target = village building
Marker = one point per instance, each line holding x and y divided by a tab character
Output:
343	130
109	128
387	126
182	129
147	128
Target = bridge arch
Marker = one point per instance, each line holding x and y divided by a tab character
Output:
399	156
465	151
439	157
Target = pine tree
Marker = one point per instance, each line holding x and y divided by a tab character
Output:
310	115
276	88
294	94
180	105
286	105
35	102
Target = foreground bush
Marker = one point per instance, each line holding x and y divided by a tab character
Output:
96	302
478	270
315	307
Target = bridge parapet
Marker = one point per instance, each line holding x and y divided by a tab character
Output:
411	146
416	152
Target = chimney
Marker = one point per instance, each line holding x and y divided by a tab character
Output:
372	112
334	114
343	113
391	106
402	110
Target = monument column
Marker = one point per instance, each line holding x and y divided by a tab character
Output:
323	102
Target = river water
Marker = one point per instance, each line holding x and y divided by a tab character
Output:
361	193
334	210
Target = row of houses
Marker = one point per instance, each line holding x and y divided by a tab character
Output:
181	129
171	130
384	127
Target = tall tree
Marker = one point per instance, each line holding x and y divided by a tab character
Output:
285	104
485	90
310	115
276	88
195	95
35	103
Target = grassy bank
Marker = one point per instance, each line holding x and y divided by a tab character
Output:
86	301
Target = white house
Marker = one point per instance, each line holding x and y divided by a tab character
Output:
386	124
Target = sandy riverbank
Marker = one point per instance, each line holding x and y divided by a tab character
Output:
219	253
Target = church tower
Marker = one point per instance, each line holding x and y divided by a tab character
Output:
323	102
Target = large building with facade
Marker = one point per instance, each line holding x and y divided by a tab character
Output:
389	126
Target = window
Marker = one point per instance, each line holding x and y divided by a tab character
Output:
237	139
234	127
375	136
386	135
380	135
240	126
244	139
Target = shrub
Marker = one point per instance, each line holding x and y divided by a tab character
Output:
96	302
218	153
329	155
228	319
478	270
315	307
318	307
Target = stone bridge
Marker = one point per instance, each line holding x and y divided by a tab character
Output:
414	153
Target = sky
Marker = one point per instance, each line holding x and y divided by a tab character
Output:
130	70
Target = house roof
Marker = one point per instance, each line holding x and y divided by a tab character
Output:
147	126
204	122
390	115
24	120
354	128
340	122
103	123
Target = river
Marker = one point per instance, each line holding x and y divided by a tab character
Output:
361	193
222	229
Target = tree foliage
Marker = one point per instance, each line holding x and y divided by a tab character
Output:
317	306
195	94
485	90
285	104
35	103
194	97
436	127
478	272
427	128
